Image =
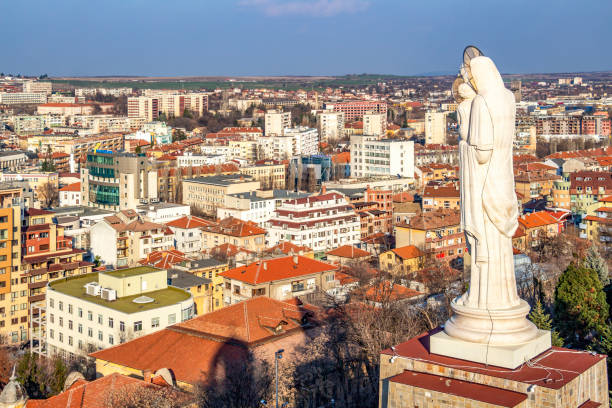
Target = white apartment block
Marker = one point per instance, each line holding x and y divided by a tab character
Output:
248	206
220	150
103	91
143	107
276	122
100	310
330	126
320	222
37	87
375	124
371	157
23	98
276	147
191	160
435	127
305	140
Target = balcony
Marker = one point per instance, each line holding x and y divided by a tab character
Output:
36	298
36	285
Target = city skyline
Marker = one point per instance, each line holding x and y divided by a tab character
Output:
322	37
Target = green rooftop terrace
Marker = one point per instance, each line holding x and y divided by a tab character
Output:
135	271
75	286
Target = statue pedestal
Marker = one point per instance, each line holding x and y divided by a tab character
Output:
500	337
508	356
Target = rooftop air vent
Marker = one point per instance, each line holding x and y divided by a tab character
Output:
143	299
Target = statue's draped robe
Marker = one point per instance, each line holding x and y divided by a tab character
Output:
489	209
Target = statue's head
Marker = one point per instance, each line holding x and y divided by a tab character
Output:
485	74
466	91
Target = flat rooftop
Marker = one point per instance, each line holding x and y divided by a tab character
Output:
75	286
222	179
135	271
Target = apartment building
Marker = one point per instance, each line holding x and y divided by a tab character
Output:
125	238
587	188
305	140
374	124
47	255
208	193
436	232
278	278
540	225
321	222
74	146
38	87
596	124
150	105
435	127
117	181
354	110
23	98
271	176
100	310
558	125
276	122
402	260
330	126
245	234
188	234
143	107
255	206
441	197
11	160
371	157
597	225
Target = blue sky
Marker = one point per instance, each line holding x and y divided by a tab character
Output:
299	37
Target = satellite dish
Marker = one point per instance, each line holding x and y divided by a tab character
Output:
469	53
167	375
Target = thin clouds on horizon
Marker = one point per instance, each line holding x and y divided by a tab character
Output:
313	8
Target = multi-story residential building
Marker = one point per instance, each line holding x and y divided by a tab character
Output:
76	147
248	149
211	269
596	124
143	107
374	124
330	126
276	147
356	109
436	232
117	181
561	197
276	122
558	125
162	213
170	180
100	310
536	181
271	176
320	222
402	260
587	188
441	197
278	278
200	288
33	182
208	193
435	127
150	105
188	234
371	157
11	160
375	210
305	140
539	225
435	153
436	172
38	87
23	98
47	255
125	238
255	206
245	234
597	226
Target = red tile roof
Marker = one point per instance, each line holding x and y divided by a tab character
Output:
229	250
164	259
71	187
348	251
537	219
287	248
408	252
188	222
441	191
557	364
199	346
469	390
235	228
388	291
277	269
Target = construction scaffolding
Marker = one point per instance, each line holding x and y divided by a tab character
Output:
38	325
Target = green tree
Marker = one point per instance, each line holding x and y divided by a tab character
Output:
97	261
178	135
162	117
31	376
595	262
138	150
581	310
47	165
543	321
57	380
187	114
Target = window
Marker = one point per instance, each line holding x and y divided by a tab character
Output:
90	332
70	324
110	322
80	328
172	318
61	321
70	309
80	312
111	341
51	303
61	305
80	344
70	340
100	319
137	326
89	316
100	335
51	333
155	322
121	326
52	318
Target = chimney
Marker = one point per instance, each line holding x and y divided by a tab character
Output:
295	259
148	376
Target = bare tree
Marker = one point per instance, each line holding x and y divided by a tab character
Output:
48	194
144	396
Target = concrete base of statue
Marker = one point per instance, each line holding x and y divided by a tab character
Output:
500	337
509	356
